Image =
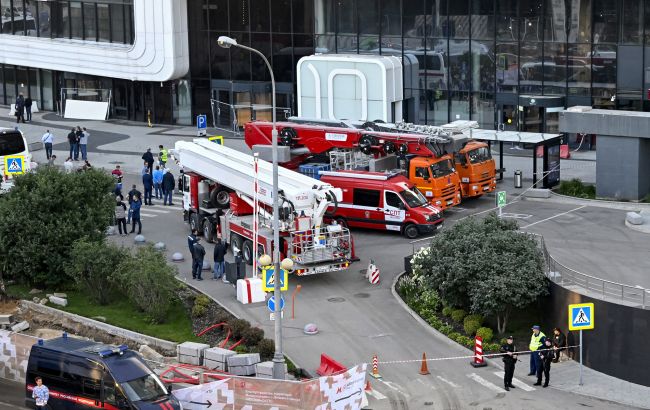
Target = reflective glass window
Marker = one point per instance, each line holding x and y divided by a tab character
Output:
603	64
605	21
580	21
129	30
103	23
47	102
90	21
325	16
239	15
367	44
2	86
483	109
34	85
240	59
459	78
219	63
76	20
483	66
369	17
60	19
507	64
281	16
632	24
261	42
282	57
646	13
413	21
22	80
260	14
44	29
347	16
325	44
10	84
19	18
507	26
350	44
531	72
7	16
435	17
303	16
555	21
218	15
555	68
117	23
482	19
458	19
579	69
391	21
531	22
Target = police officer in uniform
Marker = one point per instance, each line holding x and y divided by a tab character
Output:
536	342
509	360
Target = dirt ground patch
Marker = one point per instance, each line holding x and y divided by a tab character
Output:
8	307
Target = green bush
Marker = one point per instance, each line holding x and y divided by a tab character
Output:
238	328
446	311
429	299
476	317
203	300
458	315
408	288
241	349
577	189
491	347
253	335
199	310
486	333
454	335
446	329
471	326
435	322
266	348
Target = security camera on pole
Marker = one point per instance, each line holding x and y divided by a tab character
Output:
278	357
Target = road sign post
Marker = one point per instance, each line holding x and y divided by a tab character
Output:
271	305
201	124
581	317
501	201
268	279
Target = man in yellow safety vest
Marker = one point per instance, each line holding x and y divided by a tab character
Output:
536	341
162	156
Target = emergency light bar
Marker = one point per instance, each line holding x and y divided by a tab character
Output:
360	175
117	350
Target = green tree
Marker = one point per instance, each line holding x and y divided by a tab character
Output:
486	266
92	266
44	214
149	282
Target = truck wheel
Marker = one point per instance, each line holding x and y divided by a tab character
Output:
247	252
195	223
236	241
208	230
220	198
411	231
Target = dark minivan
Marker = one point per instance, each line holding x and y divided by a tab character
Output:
83	374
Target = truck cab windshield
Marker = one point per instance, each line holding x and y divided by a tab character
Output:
479	155
442	168
147	388
413	197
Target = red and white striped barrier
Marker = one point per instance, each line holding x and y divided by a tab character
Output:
478	353
372	273
375	367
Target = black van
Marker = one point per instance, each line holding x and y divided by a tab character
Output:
82	374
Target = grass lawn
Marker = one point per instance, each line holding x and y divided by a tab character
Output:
177	328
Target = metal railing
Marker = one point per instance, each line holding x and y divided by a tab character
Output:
592	285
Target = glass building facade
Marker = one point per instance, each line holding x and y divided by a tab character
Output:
511	64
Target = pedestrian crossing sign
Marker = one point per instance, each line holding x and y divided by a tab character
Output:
216	139
268	279
581	316
14	164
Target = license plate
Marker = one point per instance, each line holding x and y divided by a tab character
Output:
450	202
439	226
321	269
485	188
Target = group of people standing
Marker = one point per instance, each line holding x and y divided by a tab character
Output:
543	351
23	108
78	140
198	254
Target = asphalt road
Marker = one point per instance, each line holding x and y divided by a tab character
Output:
12	395
357	320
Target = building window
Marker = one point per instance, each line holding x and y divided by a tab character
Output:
103	23
117	23
76	20
90	22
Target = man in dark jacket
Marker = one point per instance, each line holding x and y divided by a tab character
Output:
72	140
148	158
147	182
219	269
136	204
28	108
132	193
509	361
168	184
559	342
197	262
546	356
191	240
20	108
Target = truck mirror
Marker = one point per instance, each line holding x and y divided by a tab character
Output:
401	206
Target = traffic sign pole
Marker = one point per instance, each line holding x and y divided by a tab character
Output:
580	358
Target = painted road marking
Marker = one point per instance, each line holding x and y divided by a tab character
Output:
485	383
515	216
518	383
425	384
395	387
554	216
449	382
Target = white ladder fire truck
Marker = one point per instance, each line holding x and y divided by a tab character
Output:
218	200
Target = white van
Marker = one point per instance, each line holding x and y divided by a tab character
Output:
12	143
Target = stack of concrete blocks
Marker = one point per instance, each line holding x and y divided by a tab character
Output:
243	364
216	358
264	370
191	353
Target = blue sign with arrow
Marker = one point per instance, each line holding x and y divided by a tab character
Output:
271	303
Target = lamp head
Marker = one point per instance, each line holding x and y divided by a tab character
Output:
226	42
286	264
265	260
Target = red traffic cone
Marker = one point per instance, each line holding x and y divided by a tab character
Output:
424	369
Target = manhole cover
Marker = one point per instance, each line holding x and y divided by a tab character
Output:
362	295
336	300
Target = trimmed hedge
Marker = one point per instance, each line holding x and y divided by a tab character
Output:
446	311
486	333
458	315
471	326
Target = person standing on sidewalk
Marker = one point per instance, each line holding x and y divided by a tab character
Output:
83	144
559	343
536	341
136	204
157	182
20	108
72	140
68	166
132	193
148	159
197	262
78	133
509	361
219	269
162	156
168	185
147	182
48	141
120	215
40	394
191	240
546	355
28	108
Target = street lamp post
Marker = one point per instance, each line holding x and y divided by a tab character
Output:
278	357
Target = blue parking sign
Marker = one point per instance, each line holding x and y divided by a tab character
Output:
202	121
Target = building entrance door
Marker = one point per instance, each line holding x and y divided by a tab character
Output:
539	113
